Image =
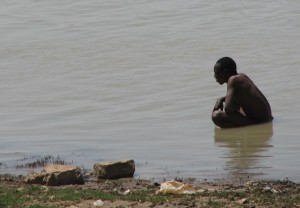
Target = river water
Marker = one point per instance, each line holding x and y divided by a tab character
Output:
89	81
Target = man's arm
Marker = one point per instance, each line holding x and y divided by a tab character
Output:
231	106
231	116
219	104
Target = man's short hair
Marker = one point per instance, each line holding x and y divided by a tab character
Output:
227	63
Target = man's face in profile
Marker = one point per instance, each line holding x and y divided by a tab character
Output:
219	75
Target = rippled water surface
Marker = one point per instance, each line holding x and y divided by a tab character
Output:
105	80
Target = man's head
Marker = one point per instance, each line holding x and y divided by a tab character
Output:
224	68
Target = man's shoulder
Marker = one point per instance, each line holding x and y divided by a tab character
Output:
237	78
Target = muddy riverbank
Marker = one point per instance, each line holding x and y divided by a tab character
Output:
133	192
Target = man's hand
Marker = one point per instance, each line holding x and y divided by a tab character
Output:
219	104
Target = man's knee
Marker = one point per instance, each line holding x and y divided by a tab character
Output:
220	119
216	117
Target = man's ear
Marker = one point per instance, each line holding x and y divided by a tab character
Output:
226	72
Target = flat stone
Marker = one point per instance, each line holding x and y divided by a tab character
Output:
114	169
55	175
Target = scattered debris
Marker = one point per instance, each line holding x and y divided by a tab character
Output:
98	203
175	187
141	194
243	201
250	183
126	192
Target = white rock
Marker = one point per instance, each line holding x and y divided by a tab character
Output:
98	203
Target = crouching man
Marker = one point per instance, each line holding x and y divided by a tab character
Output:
244	104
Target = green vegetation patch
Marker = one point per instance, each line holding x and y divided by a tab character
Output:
16	197
260	195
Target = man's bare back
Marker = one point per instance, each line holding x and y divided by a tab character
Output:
244	102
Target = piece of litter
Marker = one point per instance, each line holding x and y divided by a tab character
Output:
98	203
175	187
201	191
126	192
45	188
267	189
243	201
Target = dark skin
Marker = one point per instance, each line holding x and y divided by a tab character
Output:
244	102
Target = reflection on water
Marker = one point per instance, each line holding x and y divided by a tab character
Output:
247	146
